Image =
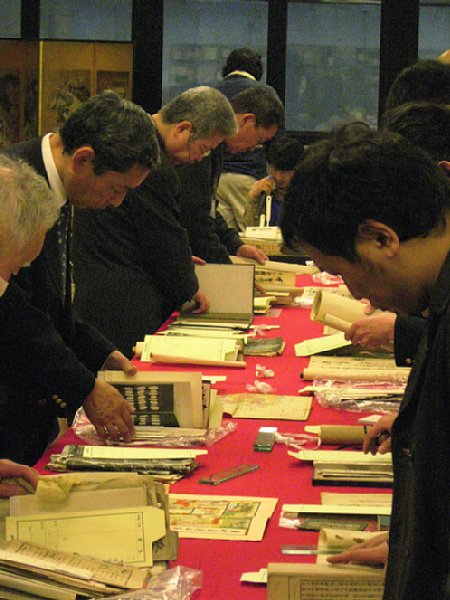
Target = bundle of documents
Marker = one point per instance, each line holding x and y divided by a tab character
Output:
164	464
324	582
315	517
192	350
61	537
355	368
343	467
40	572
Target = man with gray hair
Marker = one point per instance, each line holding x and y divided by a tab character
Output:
138	256
27	210
48	358
259	114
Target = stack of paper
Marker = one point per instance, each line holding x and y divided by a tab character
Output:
343	467
41	572
74	523
159	462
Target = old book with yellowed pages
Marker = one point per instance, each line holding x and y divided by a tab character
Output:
296	581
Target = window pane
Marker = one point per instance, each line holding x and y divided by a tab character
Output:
10	21
199	35
434	28
332	66
86	20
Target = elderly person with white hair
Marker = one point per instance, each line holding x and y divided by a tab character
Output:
27	210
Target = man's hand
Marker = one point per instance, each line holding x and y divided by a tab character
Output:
373	332
196	260
15	479
378	438
247	251
109	412
266	185
202	302
371	552
116	361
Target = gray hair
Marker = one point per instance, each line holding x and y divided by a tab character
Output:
207	109
26	205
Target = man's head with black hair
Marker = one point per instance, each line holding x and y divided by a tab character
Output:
244	59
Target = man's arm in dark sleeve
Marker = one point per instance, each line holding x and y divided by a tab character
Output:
407	334
228	236
167	255
195	195
30	344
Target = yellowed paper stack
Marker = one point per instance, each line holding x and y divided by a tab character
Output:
354	368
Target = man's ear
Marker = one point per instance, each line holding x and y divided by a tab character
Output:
380	236
445	166
183	127
246	119
82	158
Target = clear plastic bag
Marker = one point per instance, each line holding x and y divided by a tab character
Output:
359	396
84	429
325	278
174	584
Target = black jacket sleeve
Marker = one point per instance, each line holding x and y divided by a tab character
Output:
407	334
30	344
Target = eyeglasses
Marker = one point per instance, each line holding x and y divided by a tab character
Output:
199	152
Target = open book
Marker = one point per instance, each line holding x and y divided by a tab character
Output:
229	289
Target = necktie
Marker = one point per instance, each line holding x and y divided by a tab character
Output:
62	227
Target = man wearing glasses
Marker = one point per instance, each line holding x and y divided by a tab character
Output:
259	114
138	256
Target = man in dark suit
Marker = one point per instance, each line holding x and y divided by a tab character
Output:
48	358
138	256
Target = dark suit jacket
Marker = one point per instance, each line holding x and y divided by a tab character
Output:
133	263
45	353
209	235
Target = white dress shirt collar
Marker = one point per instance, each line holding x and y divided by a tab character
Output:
54	179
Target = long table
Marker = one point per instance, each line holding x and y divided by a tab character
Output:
279	475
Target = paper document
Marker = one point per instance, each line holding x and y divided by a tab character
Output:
220	517
291	581
119	534
321	344
267	406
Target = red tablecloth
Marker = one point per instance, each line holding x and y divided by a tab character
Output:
279	475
